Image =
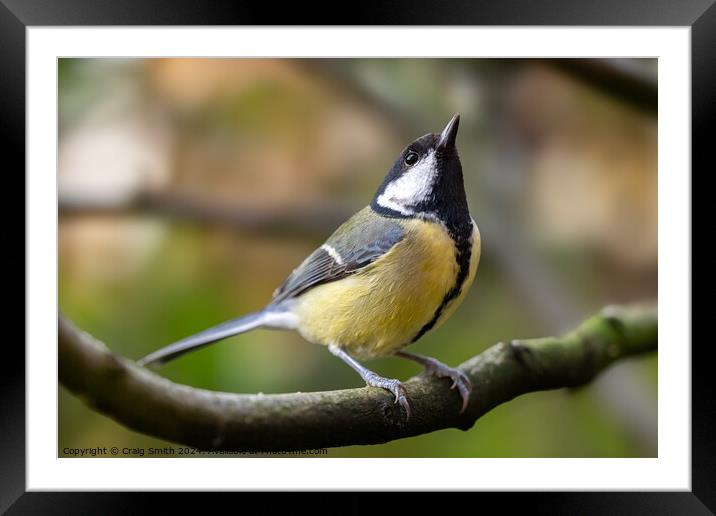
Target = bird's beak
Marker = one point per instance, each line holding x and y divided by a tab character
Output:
447	137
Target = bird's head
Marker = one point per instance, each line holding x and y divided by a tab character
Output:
426	178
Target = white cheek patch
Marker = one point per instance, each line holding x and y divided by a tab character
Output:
414	186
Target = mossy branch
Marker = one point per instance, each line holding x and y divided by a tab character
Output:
148	403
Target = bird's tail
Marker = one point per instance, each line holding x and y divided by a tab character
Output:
267	318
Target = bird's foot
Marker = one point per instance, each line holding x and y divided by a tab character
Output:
459	379
392	385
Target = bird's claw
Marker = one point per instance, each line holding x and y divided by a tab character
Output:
400	397
459	380
394	387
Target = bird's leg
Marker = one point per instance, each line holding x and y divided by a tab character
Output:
372	379
437	368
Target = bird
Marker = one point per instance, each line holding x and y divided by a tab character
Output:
395	270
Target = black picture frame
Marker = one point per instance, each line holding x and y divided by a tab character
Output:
17	15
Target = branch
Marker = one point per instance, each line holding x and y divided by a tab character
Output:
148	403
624	79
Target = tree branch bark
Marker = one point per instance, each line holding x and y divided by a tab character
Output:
148	403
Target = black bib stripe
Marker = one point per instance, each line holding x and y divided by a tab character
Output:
463	254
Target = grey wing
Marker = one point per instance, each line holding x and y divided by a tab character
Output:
343	254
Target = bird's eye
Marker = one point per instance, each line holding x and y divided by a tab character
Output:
411	158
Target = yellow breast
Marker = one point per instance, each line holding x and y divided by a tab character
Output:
378	310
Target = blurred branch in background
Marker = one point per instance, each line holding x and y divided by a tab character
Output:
209	420
624	79
317	220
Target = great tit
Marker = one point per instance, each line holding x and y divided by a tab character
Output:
394	271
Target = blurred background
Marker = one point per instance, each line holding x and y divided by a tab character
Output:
190	188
